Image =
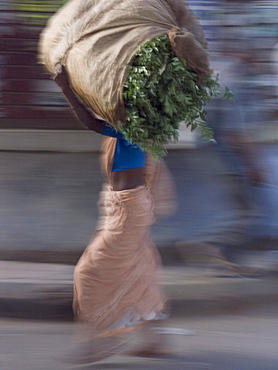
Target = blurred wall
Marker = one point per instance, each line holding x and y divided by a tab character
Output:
28	98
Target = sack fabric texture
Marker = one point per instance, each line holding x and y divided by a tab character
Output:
96	40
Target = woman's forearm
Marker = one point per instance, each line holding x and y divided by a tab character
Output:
82	114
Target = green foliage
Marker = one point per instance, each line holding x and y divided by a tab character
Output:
43	6
35	12
159	94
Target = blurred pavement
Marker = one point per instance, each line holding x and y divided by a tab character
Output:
48	214
44	291
244	340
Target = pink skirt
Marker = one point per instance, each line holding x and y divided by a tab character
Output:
116	285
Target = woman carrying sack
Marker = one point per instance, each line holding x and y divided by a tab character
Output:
116	288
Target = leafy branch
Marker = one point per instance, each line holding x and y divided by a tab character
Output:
160	93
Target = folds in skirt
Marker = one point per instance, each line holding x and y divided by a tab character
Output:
116	286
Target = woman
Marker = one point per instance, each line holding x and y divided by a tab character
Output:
115	281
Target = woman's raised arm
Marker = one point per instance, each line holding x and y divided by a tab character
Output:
82	114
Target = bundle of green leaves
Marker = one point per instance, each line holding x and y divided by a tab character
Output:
159	94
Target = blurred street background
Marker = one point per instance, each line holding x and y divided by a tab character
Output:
220	249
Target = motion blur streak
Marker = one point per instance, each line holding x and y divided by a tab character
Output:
219	249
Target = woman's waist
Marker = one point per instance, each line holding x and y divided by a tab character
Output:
134	206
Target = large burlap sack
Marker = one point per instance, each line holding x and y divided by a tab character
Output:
96	39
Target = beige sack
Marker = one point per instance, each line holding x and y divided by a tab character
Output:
96	39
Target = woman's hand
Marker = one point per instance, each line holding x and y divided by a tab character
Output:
61	76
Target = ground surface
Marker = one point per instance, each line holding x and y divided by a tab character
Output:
244	341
